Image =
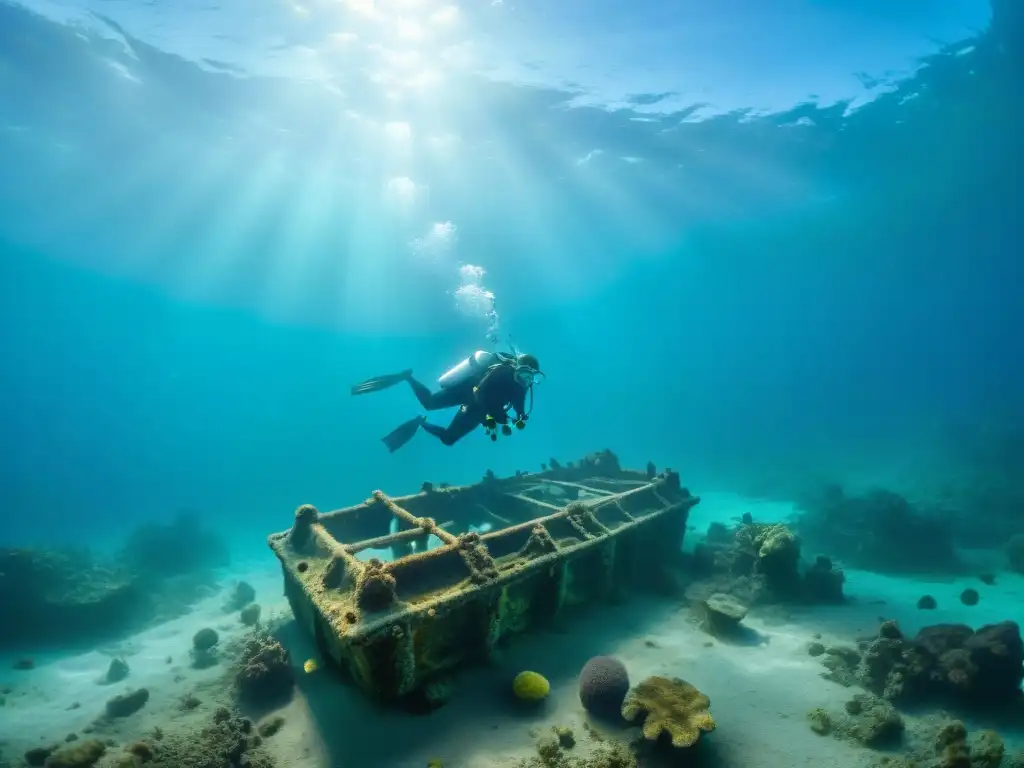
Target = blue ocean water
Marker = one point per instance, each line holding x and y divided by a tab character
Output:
762	246
769	245
780	240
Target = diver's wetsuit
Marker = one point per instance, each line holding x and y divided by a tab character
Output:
497	391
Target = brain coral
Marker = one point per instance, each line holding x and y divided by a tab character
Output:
776	541
604	683
671	706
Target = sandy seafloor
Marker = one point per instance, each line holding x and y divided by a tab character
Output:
760	692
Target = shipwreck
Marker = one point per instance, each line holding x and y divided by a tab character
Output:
398	592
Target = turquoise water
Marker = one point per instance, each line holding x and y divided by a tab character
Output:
783	244
769	245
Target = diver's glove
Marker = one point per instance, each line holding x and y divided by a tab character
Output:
491	427
506	430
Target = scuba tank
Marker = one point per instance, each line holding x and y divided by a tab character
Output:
472	368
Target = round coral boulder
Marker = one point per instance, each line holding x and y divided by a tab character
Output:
604	683
264	673
205	639
531	686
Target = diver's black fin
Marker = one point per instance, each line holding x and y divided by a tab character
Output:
380	382
403	434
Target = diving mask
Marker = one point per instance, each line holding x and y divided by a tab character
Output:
527	376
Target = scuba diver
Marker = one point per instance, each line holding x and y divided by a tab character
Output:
485	386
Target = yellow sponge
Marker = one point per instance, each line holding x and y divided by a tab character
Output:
530	686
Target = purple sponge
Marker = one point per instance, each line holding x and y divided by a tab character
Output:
604	684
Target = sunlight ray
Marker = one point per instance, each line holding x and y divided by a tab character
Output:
304	249
125	186
211	178
535	197
381	151
233	221
623	192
